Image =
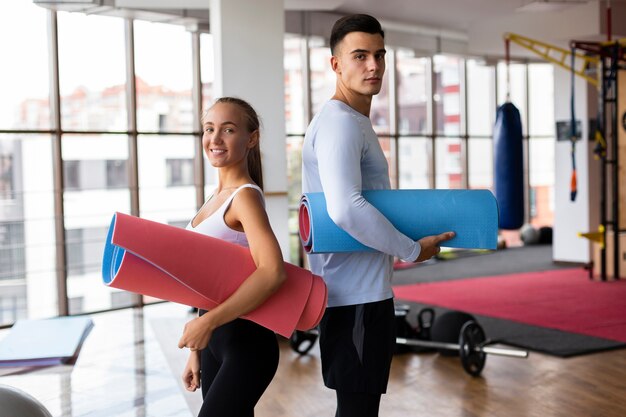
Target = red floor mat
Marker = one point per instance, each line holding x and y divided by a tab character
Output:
559	299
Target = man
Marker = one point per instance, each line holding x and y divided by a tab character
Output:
342	157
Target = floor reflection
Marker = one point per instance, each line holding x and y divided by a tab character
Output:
120	372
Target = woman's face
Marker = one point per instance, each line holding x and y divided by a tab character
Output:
226	139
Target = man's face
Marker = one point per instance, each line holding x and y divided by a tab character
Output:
359	62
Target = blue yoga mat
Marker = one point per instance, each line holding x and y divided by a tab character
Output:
471	214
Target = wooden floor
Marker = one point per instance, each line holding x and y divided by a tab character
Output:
428	384
130	366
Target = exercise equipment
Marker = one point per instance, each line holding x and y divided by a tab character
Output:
193	269
471	214
447	328
471	347
404	329
471	344
545	235
529	234
17	403
605	59
573	130
509	166
302	342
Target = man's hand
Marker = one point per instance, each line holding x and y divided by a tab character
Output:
431	245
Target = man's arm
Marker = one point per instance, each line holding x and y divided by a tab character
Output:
338	147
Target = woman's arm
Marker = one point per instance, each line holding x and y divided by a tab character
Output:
191	373
247	209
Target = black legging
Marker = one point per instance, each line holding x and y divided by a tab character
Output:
236	368
357	404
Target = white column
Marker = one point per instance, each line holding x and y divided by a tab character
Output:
248	48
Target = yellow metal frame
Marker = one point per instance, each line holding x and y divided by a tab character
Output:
548	52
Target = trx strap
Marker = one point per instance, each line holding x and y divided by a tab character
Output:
573	183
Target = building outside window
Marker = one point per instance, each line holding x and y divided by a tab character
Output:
179	172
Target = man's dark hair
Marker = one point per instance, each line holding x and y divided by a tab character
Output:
354	23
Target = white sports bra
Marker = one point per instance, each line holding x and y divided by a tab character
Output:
215	226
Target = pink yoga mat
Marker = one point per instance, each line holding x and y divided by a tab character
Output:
190	268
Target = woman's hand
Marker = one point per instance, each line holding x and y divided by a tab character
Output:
197	333
191	373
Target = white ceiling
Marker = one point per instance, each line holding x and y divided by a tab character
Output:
442	14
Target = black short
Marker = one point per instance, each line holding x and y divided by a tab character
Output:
357	344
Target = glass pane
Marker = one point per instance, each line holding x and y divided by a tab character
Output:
166	178
24	83
379	113
447	73
480	161
541	97
92	72
210	178
96	177
518	88
415	155
388	146
542	161
294	168
413	95
323	78
164	78
27	239
294	190
481	97
295	118
449	168
206	69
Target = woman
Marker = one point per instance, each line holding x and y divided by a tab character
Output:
233	360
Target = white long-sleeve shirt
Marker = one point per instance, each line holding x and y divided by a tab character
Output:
341	157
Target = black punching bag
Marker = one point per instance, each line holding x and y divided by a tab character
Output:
509	166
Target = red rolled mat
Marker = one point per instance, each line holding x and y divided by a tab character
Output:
190	268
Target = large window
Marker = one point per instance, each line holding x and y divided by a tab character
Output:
434	116
92	72
541	144
447	82
95	174
166	186
322	75
206	69
295	115
7	168
12	256
164	78
24	100
481	112
294	180
512	86
379	113
448	163
179	172
27	239
481	98
415	162
413	93
96	182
